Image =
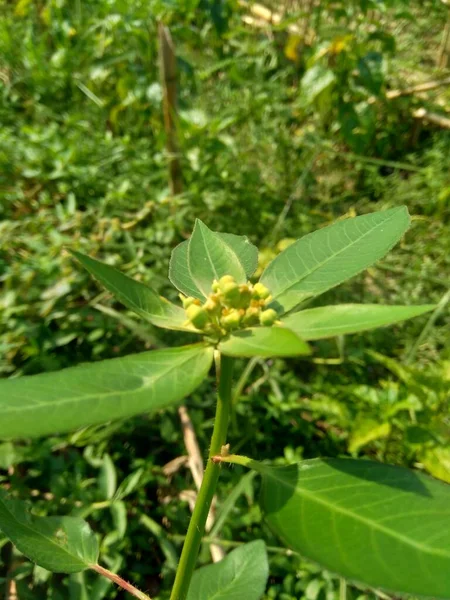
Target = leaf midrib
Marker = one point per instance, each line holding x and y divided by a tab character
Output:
349	513
324	262
10	410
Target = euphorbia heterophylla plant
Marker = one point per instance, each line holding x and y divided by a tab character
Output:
381	525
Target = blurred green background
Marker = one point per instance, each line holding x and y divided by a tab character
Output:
287	119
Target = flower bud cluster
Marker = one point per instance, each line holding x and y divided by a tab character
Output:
230	306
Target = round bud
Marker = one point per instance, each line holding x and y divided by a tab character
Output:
232	320
268	317
215	286
260	291
225	279
212	306
246	296
251	317
186	301
231	294
197	316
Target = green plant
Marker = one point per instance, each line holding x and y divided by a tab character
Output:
355	517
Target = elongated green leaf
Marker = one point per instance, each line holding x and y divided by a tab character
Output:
328	321
242	575
100	392
136	296
265	342
180	275
246	252
329	256
384	526
209	258
59	544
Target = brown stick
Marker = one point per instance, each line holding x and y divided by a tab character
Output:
434	118
168	69
11	592
415	89
444	49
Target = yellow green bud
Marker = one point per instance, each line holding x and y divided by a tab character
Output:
245	296
260	291
215	286
225	279
231	320
197	316
212	306
231	294
251	317
268	317
186	301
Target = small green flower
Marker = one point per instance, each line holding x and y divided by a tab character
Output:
251	316
260	291
268	317
231	294
231	320
197	315
187	301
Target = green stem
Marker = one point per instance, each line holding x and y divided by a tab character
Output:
196	528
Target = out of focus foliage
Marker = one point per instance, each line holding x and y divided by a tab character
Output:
282	128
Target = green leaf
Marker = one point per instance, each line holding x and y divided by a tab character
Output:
316	80
246	252
209	258
367	431
264	342
100	392
136	296
59	544
327	257
180	275
377	524
437	462
329	321
241	575
107	479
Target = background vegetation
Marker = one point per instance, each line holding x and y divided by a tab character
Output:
282	127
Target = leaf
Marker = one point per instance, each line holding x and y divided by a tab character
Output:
365	432
316	80
59	544
100	392
384	526
180	276
135	295
210	258
327	257
107	479
246	252
329	321
241	575
437	462
179	273
264	342
129	484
